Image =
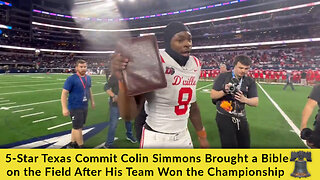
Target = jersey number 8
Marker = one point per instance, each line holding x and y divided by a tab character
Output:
182	108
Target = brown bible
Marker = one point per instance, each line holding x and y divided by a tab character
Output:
144	72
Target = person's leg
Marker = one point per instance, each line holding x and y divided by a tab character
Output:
291	85
129	134
243	135
77	133
78	119
227	131
113	121
285	86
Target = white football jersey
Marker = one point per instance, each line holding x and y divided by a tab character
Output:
168	108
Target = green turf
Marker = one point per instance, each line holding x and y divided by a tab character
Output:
268	127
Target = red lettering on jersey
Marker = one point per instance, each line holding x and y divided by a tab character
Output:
190	82
177	80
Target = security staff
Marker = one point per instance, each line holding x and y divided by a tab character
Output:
231	92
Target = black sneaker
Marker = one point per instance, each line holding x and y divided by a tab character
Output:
108	146
72	145
132	139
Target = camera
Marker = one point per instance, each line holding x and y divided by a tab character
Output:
233	86
311	136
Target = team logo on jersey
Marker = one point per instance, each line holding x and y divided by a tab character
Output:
170	70
56	140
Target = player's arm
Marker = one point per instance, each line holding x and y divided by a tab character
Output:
64	96
307	111
129	106
195	119
92	100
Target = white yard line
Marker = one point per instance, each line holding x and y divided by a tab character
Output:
33	114
30	85
8	103
60	125
45	119
204	86
20	92
22	110
1	98
4	101
43	102
20	82
286	117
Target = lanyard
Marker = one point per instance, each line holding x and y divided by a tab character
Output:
240	82
83	84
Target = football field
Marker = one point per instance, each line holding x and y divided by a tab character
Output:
30	114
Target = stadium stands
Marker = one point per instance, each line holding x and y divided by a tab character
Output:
290	23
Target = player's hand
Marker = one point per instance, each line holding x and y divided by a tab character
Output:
65	112
240	97
203	142
118	63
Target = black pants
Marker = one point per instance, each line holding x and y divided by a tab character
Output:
139	122
233	134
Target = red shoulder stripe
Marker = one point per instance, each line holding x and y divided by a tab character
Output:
197	61
162	60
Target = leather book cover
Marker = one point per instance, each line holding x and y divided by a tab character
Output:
144	72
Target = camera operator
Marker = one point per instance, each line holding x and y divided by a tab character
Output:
312	137
231	92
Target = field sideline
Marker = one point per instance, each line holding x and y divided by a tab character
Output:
30	112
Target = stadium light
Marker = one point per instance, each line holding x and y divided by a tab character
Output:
88	2
5	26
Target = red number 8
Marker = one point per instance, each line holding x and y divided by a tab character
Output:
181	102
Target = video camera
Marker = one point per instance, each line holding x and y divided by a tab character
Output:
311	136
233	87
